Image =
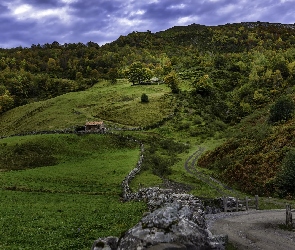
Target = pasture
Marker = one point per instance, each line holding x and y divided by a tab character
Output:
71	203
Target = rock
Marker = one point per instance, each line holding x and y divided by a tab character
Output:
174	226
108	243
167	246
175	221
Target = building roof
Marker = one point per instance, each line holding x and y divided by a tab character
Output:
94	123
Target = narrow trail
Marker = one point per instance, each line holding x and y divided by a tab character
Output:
190	167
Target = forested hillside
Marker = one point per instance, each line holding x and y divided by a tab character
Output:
225	81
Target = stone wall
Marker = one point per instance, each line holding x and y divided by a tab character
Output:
174	221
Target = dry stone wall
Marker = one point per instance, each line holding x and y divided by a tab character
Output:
174	221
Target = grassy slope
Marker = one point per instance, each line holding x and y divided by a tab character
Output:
72	203
75	200
79	176
119	103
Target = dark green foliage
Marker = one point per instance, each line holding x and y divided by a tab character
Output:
137	73
282	110
161	154
144	98
203	86
285	180
160	165
172	81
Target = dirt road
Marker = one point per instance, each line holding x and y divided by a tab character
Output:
253	229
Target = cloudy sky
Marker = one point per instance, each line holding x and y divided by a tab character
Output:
27	22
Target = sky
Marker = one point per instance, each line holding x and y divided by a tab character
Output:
27	22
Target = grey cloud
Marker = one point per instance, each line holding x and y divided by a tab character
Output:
104	20
44	3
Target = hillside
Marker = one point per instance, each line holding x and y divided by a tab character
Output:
115	104
252	158
218	76
227	91
213	79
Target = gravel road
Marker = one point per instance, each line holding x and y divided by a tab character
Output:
253	229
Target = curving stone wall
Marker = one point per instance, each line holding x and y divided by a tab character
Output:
174	221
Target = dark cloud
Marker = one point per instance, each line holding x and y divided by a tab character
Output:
26	22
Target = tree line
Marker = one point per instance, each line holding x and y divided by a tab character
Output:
246	65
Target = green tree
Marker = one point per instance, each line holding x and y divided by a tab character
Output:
172	82
285	180
6	100
203	86
113	75
137	73
282	110
144	98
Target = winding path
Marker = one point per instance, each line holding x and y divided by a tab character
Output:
190	166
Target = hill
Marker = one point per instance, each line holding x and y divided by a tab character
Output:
218	88
117	104
223	74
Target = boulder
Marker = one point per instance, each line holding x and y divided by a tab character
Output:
173	226
108	243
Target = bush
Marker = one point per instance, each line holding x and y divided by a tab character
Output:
144	98
285	180
282	110
172	82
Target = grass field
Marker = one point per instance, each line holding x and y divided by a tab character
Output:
63	191
72	203
119	104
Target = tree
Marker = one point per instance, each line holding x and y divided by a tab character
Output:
113	75
137	73
203	86
144	98
285	180
172	82
282	110
6	100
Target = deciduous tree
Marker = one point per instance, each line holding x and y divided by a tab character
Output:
137	73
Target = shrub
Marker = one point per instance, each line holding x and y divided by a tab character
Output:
172	82
203	86
282	110
285	180
144	98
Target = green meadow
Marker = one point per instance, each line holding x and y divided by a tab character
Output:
71	203
64	191
118	104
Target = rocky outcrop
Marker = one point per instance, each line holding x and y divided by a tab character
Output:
175	221
177	225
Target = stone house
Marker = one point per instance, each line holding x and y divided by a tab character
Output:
95	126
